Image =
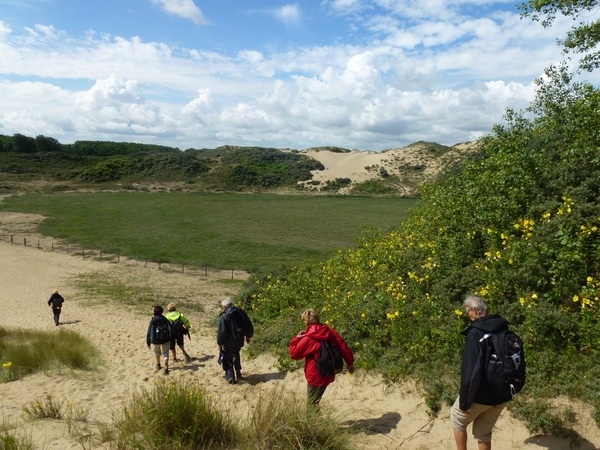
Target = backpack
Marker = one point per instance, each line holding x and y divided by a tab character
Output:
505	368
329	362
237	323
178	327
162	333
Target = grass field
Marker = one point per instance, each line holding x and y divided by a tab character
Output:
257	231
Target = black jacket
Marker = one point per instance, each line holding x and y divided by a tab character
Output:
56	301
225	337
474	387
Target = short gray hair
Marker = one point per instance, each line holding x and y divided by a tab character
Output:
227	303
477	302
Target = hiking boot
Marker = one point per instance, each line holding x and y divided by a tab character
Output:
188	358
166	370
238	375
176	360
158	367
232	381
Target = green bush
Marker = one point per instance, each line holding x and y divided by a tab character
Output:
519	224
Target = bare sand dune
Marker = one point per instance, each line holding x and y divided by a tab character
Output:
393	416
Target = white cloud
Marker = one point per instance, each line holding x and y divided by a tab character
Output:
184	8
288	14
5	30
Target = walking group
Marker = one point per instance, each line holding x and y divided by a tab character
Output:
492	368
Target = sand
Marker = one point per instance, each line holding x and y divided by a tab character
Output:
392	416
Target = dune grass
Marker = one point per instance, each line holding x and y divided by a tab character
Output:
28	351
226	231
183	416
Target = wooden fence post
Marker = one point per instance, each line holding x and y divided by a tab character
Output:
52	247
67	249
25	242
38	243
11	240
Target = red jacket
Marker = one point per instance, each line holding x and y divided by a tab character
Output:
308	347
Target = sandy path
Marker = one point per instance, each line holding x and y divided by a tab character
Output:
395	415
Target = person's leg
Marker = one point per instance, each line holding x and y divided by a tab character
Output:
166	347
56	317
157	351
484	445
460	420
461	439
186	357
173	350
314	394
237	364
228	366
484	425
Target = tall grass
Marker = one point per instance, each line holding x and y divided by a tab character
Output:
258	231
182	416
27	351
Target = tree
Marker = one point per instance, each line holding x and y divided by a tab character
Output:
582	38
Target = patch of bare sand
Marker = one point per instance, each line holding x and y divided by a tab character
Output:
392	416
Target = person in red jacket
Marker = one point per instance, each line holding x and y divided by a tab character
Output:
307	345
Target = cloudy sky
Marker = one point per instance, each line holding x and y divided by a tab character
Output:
365	74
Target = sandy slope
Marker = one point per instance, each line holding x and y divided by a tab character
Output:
393	417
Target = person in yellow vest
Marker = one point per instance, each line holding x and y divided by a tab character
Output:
178	333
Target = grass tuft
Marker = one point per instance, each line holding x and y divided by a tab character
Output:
28	351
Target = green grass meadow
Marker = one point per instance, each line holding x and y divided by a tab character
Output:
251	232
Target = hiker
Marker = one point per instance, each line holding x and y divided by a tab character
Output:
307	345
234	327
180	326
476	402
159	336
55	302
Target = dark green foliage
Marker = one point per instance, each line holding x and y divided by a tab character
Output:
582	38
266	167
519	225
101	148
337	184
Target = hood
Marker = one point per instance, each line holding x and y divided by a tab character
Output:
488	324
319	332
229	311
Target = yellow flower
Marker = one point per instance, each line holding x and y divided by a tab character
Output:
458	312
534	296
7	365
576	298
590	279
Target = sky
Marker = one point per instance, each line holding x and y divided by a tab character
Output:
358	74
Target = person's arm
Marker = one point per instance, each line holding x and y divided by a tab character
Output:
469	380
148	334
222	331
302	346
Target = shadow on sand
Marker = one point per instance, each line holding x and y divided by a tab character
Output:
382	425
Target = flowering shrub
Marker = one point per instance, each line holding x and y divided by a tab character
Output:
518	225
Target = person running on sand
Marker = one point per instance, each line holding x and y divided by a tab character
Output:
476	403
178	337
307	345
55	302
159	336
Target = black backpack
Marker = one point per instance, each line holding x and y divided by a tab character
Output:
237	323
162	333
505	368
329	362
178	327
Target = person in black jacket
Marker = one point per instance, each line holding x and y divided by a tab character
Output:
159	336
55	302
476	402
234	327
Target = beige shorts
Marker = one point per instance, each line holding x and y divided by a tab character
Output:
162	349
484	418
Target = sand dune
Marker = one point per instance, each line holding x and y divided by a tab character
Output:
393	416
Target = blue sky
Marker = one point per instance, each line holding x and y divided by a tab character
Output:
365	74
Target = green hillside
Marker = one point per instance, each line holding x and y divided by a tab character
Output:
519	226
